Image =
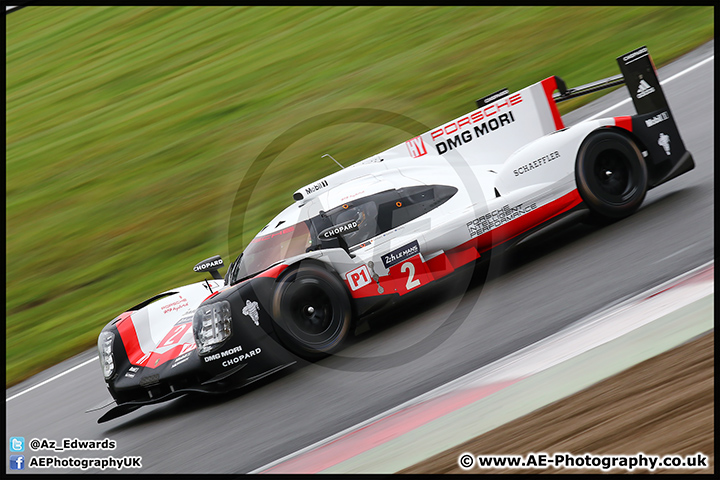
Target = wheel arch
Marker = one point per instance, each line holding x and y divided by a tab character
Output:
635	138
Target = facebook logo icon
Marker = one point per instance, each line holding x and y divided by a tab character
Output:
17	444
17	462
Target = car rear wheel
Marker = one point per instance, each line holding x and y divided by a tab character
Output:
611	175
312	311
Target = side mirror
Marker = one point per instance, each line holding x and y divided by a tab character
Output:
211	265
336	231
339	229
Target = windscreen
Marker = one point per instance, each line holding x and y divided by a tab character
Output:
269	249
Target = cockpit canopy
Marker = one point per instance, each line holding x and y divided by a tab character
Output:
374	214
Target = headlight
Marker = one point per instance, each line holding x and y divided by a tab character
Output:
105	346
212	325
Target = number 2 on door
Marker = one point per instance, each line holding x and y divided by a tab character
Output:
410	282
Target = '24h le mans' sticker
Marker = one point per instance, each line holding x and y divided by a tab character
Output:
400	254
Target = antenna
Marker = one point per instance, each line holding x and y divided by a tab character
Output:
328	155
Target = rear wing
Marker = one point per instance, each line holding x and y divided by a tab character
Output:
654	126
638	73
568	93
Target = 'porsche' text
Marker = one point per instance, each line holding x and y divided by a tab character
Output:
467	135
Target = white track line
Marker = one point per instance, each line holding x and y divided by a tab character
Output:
703	62
699	64
94	359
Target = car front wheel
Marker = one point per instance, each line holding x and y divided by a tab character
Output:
312	311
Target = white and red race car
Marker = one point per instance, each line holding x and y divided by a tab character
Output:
389	225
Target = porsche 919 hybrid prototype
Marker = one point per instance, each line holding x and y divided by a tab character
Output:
367	235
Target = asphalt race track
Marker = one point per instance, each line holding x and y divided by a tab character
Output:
547	282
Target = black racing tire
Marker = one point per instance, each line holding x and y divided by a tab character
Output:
611	176
312	311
